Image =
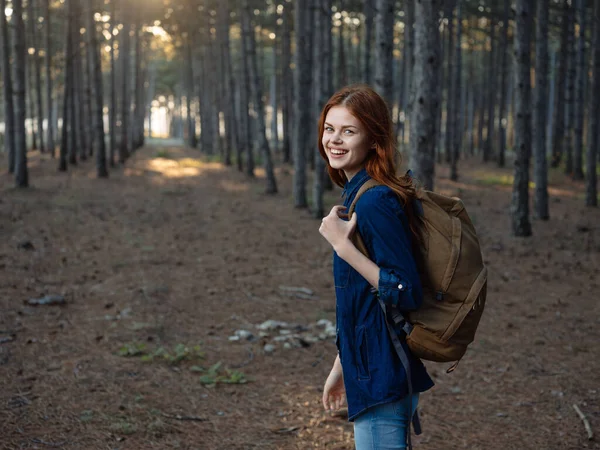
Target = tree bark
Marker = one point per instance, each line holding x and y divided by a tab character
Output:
384	44
9	110
426	99
287	82
455	122
49	102
112	110
488	151
570	104
19	52
302	85
369	14
37	70
591	191
64	141
263	143
449	89
97	93
342	66
582	73
521	225
559	121
124	58
540	201
503	88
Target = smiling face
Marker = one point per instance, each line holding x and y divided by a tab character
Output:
345	141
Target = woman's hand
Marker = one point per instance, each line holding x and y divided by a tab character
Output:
335	230
334	392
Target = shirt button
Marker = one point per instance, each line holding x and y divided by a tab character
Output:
400	286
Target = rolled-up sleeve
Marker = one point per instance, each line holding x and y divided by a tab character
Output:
383	226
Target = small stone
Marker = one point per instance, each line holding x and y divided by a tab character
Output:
264	334
234	338
501	414
455	390
287	345
269	348
281	338
285	332
272	325
244	334
324	323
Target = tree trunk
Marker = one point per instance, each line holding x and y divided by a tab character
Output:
19	52
81	121
287	82
9	110
112	111
426	99
455	122
570	103
449	134
409	56
503	88
369	14
29	96
97	92
64	141
263	143
245	89
384	44
48	59
189	82
318	209
540	176
228	86
520	197
342	66
488	151
124	57
37	71
302	85
582	73
591	191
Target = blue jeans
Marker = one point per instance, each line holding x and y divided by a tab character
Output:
384	427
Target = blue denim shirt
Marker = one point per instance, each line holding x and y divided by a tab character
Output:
373	373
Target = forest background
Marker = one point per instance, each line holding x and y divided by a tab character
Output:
163	283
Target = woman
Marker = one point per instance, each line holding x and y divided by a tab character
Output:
357	143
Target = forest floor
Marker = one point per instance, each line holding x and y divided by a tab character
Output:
161	263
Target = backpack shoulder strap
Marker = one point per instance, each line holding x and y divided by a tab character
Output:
369	184
356	238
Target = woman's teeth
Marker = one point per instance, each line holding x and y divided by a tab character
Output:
338	152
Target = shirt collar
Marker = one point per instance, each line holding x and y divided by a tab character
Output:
355	183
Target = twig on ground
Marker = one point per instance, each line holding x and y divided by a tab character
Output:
179	417
301	290
48	444
586	423
246	362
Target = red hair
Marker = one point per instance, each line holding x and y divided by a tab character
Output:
372	112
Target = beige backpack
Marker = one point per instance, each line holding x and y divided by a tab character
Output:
453	276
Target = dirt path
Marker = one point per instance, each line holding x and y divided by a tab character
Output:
173	252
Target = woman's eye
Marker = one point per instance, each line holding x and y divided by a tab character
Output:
349	132
328	129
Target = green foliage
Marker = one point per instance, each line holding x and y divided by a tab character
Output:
212	377
132	349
